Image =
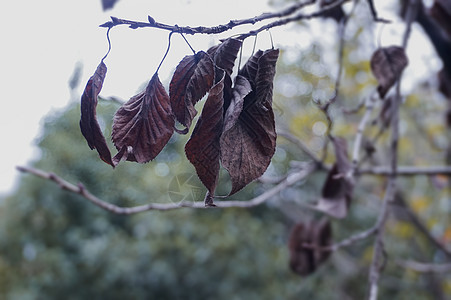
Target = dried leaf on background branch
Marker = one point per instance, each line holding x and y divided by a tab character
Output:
108	4
88	122
338	188
202	149
305	243
335	13
248	145
192	79
387	65
441	12
143	125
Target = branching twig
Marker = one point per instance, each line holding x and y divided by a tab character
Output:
378	252
81	190
233	23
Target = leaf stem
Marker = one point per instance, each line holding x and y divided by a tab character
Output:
166	53
109	43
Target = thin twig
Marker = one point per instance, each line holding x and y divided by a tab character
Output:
359	135
346	242
378	253
424	267
298	142
406	170
81	190
233	23
416	221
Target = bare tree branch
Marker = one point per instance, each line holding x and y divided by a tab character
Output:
359	135
378	252
233	23
406	170
424	267
81	190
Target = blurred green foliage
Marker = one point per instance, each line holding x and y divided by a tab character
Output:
57	245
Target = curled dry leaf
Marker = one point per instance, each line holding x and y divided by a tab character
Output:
202	149
143	125
305	243
240	90
192	79
337	190
387	65
248	145
224	56
88	122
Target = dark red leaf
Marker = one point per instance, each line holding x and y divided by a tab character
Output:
250	69
387	65
224	54
305	242
337	190
88	122
192	79
248	145
143	125
202	149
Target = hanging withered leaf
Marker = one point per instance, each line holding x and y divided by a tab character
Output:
202	149
338	188
387	65
248	145
305	243
143	125
192	79
224	54
89	125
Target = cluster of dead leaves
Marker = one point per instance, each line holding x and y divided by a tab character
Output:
236	127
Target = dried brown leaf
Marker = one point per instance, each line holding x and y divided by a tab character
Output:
240	90
192	79
202	149
387	65
337	190
248	146
224	54
305	243
89	126
143	125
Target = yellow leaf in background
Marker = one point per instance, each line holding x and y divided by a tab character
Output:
420	204
402	230
412	100
446	238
